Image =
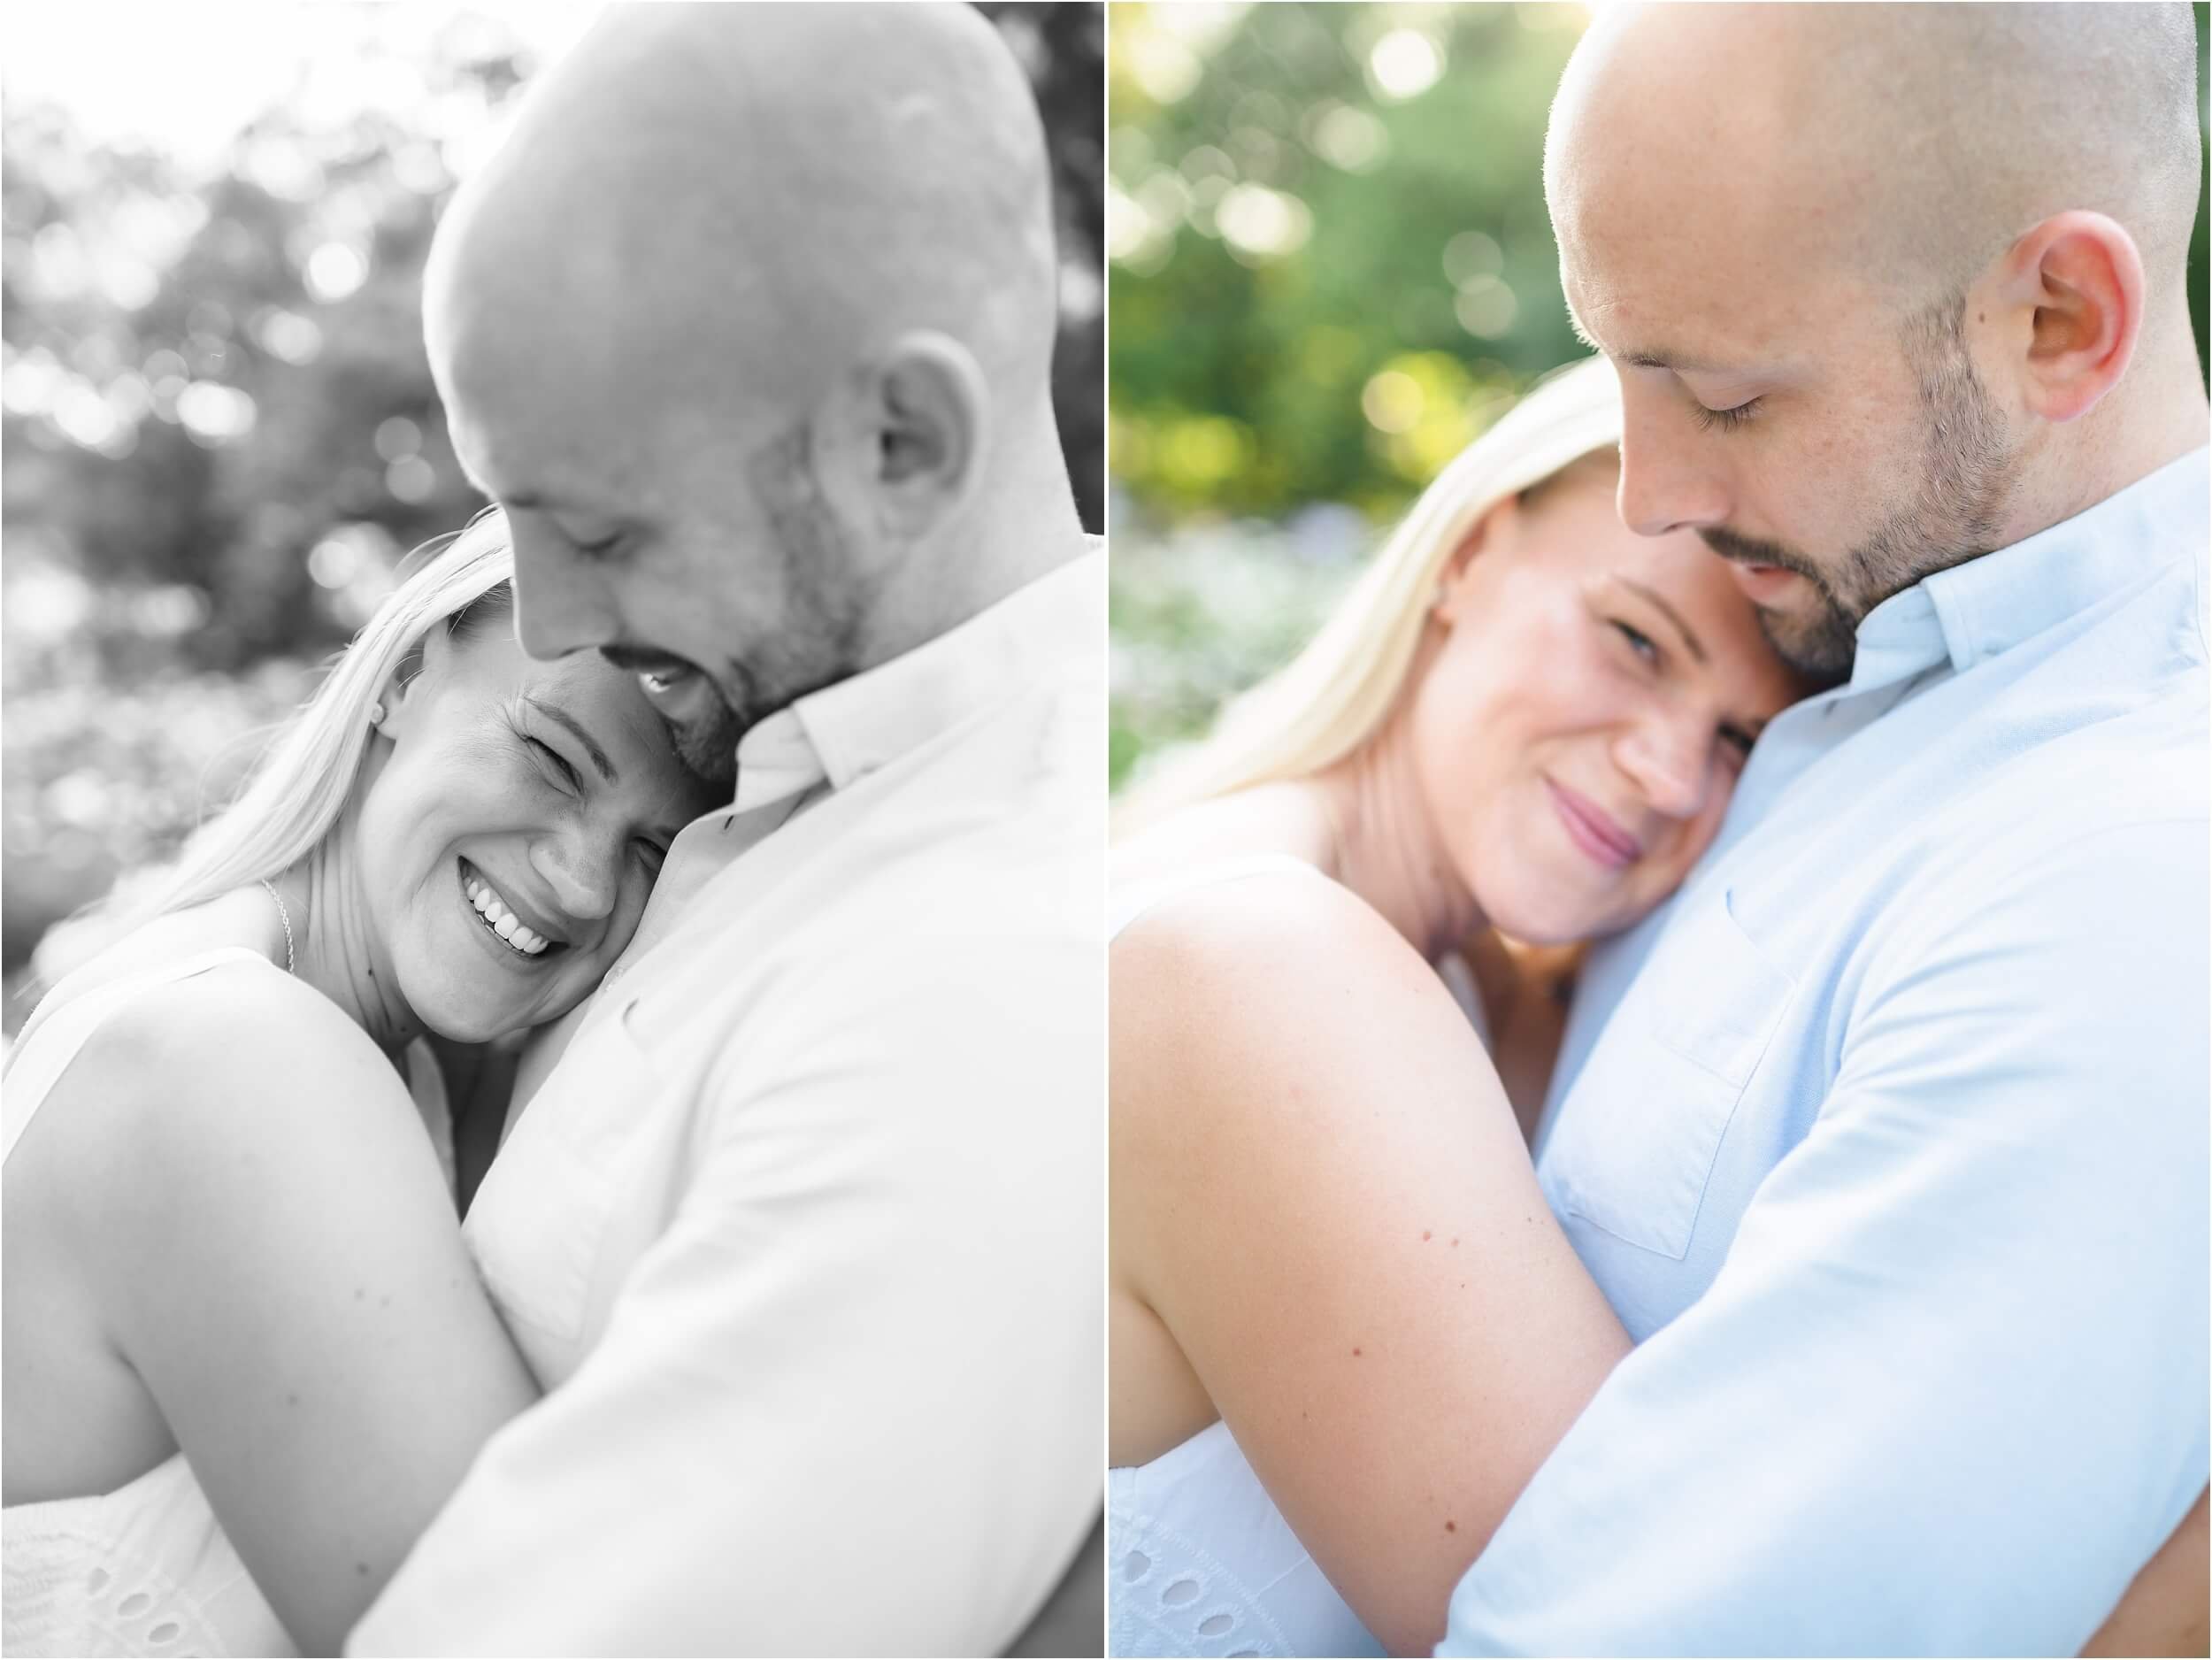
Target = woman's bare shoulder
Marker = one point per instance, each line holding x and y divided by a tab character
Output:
1240	987
204	1082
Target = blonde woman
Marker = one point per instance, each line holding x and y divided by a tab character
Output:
1345	1327
247	1357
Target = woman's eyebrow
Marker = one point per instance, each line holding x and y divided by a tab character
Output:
591	745
1689	637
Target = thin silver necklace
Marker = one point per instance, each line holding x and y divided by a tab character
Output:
291	963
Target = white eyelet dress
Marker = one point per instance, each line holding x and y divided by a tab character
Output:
1199	1561
144	1570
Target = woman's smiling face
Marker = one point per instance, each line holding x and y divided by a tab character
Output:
515	826
1578	732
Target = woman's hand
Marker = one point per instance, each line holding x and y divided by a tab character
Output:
2164	1611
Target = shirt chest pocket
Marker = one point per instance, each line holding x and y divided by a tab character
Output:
1636	1139
540	1218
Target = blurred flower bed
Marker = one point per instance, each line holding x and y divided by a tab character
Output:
98	779
1200	611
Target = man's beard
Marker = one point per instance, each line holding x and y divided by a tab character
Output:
706	742
813	645
707	746
1952	514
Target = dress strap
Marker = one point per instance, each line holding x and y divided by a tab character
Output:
55	1031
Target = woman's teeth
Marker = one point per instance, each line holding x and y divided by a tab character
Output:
503	921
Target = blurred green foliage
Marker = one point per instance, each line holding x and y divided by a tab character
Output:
1331	262
220	432
1330	244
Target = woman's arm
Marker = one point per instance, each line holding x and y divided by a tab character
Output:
1321	1191
273	1252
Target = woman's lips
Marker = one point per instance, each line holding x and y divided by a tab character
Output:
1592	829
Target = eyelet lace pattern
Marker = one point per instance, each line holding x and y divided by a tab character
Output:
1198	1563
144	1571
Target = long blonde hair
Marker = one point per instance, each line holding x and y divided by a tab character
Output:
299	786
1330	697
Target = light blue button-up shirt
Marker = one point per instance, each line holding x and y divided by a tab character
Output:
1888	1141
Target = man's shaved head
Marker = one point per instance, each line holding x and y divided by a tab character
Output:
763	297
853	172
1873	275
1913	141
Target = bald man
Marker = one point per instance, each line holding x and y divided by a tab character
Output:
749	328
1887	1141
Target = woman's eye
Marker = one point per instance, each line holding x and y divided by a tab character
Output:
1739	741
1726	420
653	853
1641	643
598	550
552	759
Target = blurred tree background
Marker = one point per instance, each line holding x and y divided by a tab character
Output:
1330	265
220	435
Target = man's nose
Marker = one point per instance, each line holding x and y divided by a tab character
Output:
561	606
583	869
1666	483
1669	758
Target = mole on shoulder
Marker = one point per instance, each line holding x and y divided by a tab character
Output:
1356	1352
1451	1527
1426	1236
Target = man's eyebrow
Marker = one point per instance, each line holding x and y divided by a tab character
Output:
591	747
1689	635
1680	363
1650	358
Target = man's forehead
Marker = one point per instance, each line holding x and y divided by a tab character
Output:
533	430
1686	318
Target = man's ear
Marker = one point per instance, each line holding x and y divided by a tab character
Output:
2075	280
927	415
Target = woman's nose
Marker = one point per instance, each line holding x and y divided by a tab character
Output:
1670	760
581	869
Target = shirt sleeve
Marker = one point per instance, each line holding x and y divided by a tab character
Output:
850	1401
1948	1393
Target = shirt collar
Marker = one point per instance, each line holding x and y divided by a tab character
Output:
1976	610
844	732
